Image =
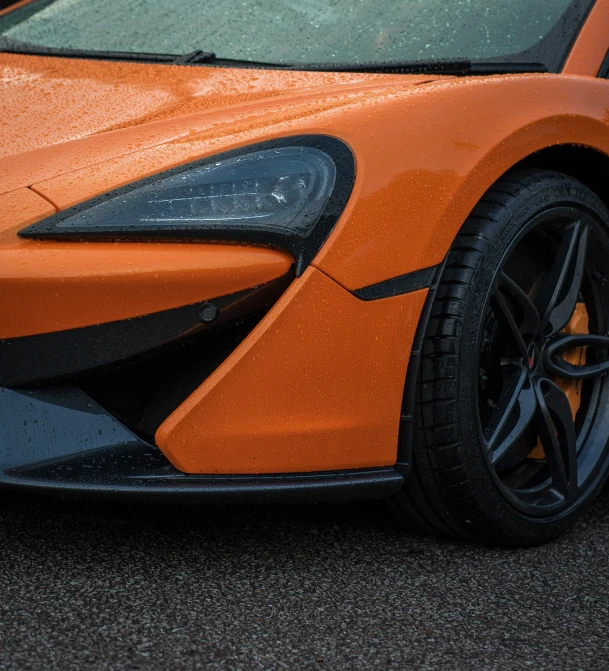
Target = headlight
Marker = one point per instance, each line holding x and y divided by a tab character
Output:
275	193
273	189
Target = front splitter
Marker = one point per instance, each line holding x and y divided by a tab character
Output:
57	440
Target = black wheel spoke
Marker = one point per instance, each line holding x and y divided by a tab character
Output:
514	412
557	300
594	365
529	324
508	323
554	423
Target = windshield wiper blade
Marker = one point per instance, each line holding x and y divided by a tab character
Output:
457	66
9	45
208	57
197	57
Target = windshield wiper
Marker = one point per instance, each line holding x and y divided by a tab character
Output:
198	57
458	66
9	45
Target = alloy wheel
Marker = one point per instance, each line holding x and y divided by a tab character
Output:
542	388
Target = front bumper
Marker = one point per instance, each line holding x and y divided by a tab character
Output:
58	440
304	396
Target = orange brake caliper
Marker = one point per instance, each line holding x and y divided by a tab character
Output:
572	388
577	326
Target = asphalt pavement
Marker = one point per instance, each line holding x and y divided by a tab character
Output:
108	586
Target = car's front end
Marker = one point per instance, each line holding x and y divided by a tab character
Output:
217	272
179	281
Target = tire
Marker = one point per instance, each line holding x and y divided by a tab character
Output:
496	458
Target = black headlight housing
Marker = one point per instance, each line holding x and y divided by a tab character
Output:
286	193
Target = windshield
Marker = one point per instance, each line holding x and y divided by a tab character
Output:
308	31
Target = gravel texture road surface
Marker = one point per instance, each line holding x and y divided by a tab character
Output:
108	586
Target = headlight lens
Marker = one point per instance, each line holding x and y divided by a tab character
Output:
284	189
274	193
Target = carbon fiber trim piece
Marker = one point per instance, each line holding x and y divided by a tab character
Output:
404	284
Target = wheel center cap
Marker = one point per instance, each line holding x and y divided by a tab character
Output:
533	356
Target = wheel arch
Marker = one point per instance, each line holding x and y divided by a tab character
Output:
576	145
461	137
586	164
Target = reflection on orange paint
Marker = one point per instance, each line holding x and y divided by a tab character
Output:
590	48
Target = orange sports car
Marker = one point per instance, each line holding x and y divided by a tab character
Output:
269	250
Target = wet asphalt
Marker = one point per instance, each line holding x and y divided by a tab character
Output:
109	586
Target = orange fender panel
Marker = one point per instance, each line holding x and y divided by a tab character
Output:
317	386
455	140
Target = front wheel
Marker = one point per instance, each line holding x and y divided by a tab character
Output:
511	440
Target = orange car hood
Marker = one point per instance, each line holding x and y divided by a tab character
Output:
59	114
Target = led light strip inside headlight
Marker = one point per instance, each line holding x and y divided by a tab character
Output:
274	195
